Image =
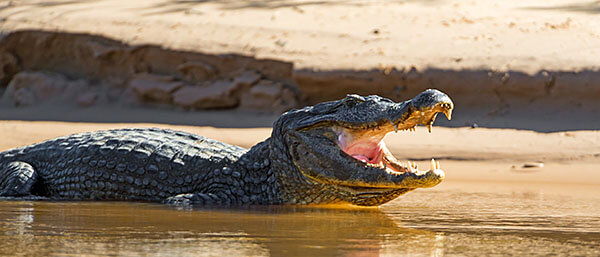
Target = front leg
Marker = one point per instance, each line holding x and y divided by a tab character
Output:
17	179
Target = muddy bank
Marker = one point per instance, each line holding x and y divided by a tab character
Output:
50	69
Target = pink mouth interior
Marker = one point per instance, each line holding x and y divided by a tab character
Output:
367	150
368	147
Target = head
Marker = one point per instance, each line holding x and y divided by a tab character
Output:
338	146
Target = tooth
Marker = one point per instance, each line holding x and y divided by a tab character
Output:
429	127
448	113
433	166
396	128
437	165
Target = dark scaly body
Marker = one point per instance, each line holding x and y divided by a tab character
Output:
145	165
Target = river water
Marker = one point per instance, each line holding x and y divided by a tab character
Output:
454	219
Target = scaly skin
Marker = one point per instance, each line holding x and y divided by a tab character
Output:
303	161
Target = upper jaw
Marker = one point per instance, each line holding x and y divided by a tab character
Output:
402	119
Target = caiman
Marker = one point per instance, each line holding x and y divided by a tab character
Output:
329	153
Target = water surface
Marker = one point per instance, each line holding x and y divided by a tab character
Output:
452	220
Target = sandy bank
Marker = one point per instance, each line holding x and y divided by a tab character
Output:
332	35
67	74
515	64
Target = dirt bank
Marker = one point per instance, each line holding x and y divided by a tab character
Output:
515	64
82	71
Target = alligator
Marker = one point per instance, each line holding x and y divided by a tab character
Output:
329	153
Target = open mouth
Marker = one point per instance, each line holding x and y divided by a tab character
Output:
368	147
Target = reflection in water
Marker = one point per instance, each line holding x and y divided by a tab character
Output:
66	228
425	223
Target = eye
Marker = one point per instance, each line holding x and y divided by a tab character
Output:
352	100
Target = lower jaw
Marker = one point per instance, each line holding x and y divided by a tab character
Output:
370	190
375	199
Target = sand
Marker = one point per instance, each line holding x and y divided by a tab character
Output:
511	64
472	158
527	36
